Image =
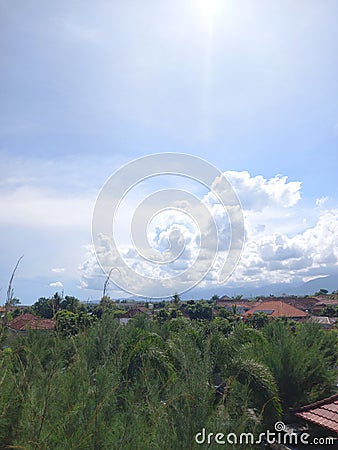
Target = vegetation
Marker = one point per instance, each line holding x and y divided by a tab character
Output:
329	311
156	382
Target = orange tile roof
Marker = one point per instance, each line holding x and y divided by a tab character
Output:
277	309
323	413
29	321
300	302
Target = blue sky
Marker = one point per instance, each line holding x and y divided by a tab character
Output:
251	86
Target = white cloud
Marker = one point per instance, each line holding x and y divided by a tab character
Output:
258	196
52	193
278	257
257	193
58	269
283	242
321	201
92	276
42	208
56	284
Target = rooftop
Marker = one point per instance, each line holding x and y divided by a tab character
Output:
29	321
277	309
327	302
323	413
132	312
323	320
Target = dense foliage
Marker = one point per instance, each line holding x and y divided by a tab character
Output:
155	383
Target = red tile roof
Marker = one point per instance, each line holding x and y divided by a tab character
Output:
323	413
277	309
300	302
29	321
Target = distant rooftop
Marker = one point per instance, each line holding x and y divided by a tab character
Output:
277	309
29	321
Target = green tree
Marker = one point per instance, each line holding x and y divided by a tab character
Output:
302	360
151	385
199	310
321	292
257	320
70	303
106	305
329	311
67	322
43	308
176	299
56	302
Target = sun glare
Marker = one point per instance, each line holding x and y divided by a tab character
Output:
208	8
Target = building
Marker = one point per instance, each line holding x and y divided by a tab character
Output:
278	309
133	312
323	321
2	311
303	303
25	322
323	303
323	413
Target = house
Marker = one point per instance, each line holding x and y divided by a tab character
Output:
25	322
323	413
224	298
323	303
132	312
278	308
324	322
303	303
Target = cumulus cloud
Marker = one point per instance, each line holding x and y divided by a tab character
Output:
278	257
56	284
257	193
283	242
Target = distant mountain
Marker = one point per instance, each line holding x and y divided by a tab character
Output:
309	288
246	291
28	291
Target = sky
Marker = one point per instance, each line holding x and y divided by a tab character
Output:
87	87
